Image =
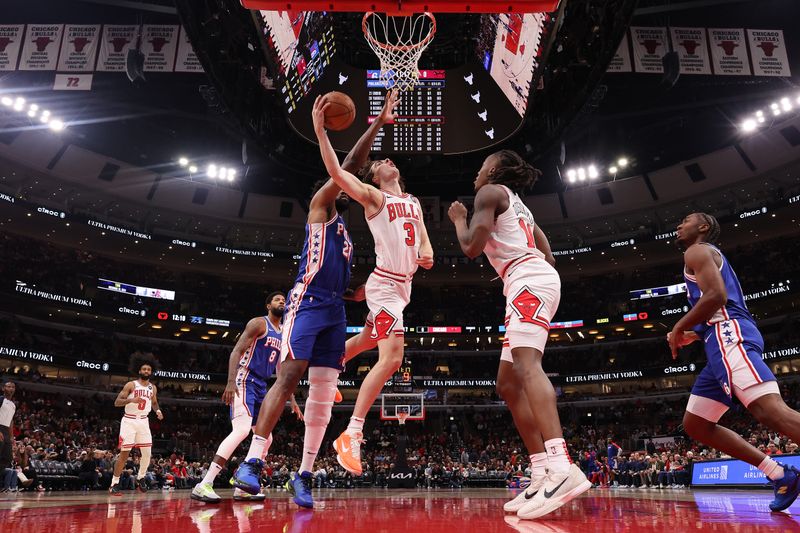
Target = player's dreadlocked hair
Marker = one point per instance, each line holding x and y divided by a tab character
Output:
513	172
142	358
270	296
713	228
367	172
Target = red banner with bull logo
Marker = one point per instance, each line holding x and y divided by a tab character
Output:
79	48
768	50
117	40
159	44
40	51
729	52
10	43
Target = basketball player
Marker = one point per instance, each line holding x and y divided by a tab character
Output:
138	398
252	361
315	325
502	226
401	246
733	346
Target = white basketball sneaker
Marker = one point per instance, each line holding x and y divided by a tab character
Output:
557	490
525	495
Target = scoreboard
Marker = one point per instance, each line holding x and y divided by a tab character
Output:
419	116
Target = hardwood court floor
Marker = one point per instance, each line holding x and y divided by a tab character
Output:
389	511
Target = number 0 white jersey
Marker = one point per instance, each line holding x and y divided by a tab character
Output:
512	239
145	394
395	229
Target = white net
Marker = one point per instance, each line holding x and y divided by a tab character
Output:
399	41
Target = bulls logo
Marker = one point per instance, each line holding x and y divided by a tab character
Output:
383	323
119	43
4	42
527	306
768	48
42	42
651	45
158	43
728	47
690	46
80	43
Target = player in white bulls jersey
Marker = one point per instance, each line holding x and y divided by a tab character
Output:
502	226
401	245
138	397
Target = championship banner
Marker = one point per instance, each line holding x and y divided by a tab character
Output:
729	52
692	48
10	43
768	50
621	62
41	47
187	60
79	48
159	43
117	40
649	47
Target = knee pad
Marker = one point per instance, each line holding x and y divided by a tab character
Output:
321	393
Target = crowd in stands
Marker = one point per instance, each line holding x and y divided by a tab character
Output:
613	445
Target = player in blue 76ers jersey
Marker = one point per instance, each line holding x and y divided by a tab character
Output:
252	362
720	320
315	327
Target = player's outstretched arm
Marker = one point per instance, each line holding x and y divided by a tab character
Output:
473	236
700	260
122	398
255	328
543	244
361	192
358	156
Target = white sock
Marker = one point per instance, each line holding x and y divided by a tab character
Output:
257	446
356	425
114	480
211	475
538	465
771	469
266	446
558	459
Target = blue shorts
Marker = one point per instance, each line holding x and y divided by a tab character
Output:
314	328
733	350
252	391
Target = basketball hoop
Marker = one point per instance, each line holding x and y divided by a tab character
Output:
401	418
398	41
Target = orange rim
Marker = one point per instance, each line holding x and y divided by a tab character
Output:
402	48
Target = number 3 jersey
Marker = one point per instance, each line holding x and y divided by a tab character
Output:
395	229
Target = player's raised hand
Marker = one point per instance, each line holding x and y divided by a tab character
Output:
318	114
230	393
387	115
457	212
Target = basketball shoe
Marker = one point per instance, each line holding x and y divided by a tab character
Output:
141	485
248	476
525	495
348	452
557	490
204	492
241	496
115	490
338	398
299	486
786	488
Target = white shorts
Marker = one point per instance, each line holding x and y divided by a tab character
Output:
388	295
134	432
533	292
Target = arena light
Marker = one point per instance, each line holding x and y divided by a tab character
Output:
592	171
572	175
56	125
749	125
786	104
612	169
231	174
223	173
212	171
7	101
182	161
45	116
622	162
32	110
581	174
19	103
192	169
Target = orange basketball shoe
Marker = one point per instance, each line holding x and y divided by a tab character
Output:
338	398
348	452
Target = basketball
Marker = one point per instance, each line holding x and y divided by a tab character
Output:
341	111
